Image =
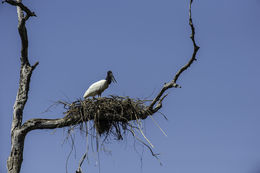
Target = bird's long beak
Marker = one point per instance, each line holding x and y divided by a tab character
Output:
113	79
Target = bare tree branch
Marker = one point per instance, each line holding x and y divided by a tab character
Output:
21	27
173	83
17	138
196	48
34	124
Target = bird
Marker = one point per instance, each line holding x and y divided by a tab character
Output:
98	87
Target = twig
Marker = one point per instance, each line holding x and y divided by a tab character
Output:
153	154
81	162
158	125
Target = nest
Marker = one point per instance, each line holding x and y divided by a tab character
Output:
108	116
111	115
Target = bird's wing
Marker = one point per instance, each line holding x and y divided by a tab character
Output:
94	88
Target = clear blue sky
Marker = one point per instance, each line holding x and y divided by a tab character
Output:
214	120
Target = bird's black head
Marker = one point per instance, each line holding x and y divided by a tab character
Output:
110	77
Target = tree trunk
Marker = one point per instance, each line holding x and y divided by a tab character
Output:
15	159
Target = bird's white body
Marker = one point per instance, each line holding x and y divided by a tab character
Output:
96	88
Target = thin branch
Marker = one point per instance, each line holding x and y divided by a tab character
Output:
35	65
196	48
150	149
173	83
81	162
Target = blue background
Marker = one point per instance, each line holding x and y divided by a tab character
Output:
214	118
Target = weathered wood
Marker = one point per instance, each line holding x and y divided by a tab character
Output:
15	159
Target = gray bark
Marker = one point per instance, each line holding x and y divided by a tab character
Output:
17	136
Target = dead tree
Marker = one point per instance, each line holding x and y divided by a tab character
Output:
19	130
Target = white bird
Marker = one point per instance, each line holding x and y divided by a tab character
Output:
98	87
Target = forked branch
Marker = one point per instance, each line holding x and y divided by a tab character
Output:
23	7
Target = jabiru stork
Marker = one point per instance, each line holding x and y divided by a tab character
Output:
98	87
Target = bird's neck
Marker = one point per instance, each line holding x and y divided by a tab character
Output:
109	80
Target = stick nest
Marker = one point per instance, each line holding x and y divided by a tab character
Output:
111	115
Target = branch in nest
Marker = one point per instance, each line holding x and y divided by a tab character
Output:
105	112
